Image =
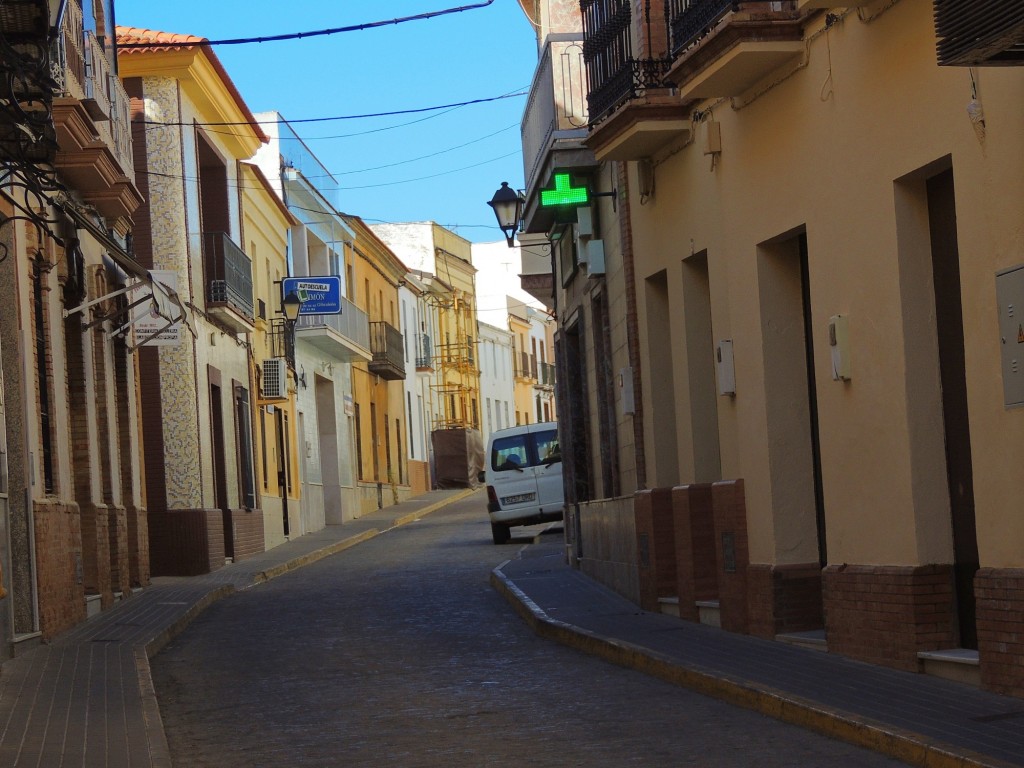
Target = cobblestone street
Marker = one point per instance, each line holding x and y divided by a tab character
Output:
397	652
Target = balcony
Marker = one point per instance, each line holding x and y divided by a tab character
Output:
525	366
633	111
387	350
228	283
723	48
424	354
546	378
91	115
554	124
345	336
980	33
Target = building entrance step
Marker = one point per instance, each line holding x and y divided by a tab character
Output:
957	664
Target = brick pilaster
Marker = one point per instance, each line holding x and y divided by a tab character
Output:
887	614
1000	606
730	513
656	543
696	549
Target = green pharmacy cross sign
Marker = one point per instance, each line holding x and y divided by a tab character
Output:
564	193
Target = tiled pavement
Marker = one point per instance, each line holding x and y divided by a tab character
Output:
919	719
87	699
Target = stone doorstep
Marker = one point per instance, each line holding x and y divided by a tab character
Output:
669	605
93	606
21	644
813	639
960	665
710	612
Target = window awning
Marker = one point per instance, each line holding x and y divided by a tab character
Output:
164	301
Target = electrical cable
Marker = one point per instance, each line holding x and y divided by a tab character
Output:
348	117
314	33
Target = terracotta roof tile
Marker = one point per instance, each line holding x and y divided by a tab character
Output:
162	41
171	41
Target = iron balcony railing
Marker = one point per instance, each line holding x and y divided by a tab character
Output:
82	69
228	274
351	323
691	20
556	109
281	337
525	365
424	352
614	73
388	351
547	374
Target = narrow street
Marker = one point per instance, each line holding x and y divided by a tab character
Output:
397	652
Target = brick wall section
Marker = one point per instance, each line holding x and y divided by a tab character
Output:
186	542
96	552
696	552
58	540
138	546
1000	605
886	614
784	598
247	526
730	513
656	544
117	529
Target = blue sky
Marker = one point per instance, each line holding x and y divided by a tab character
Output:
399	168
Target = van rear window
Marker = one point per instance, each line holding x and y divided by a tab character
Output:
509	453
527	450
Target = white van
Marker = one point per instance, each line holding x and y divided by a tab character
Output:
523	474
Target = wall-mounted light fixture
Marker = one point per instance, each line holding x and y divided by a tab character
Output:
291	305
508	210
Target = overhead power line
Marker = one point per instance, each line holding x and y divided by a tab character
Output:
321	32
352	117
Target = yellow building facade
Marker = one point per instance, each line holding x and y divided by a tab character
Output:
265	224
810	258
382	463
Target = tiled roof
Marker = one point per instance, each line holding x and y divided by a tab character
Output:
163	42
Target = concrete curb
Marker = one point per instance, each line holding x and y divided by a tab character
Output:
911	748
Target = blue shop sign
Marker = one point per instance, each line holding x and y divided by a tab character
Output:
320	295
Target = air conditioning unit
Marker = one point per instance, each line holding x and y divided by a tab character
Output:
275	378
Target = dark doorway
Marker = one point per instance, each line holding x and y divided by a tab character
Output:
283	466
950	332
220	483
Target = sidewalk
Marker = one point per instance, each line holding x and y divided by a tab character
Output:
87	699
919	719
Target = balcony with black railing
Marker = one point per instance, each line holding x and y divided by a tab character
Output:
387	351
723	48
91	114
229	296
424	353
524	366
979	34
633	111
546	375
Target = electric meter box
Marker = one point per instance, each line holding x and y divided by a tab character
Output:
1010	297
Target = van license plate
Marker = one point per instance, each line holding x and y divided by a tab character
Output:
519	499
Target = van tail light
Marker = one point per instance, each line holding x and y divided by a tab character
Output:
491	495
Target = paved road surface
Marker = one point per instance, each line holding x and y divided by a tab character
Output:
397	652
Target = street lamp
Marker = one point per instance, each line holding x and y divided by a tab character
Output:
291	305
508	209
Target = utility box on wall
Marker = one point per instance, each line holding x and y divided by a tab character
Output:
1010	298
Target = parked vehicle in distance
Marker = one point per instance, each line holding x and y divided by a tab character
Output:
523	475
